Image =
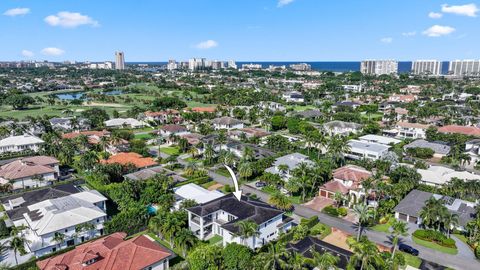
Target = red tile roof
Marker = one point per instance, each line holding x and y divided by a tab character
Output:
203	109
466	130
27	167
111	252
131	158
335	186
88	133
352	173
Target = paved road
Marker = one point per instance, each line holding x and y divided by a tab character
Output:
464	260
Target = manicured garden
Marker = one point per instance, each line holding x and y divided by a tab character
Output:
383	226
435	240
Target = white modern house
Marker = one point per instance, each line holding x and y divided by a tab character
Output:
341	128
124	122
20	143
438	175
194	192
76	218
379	139
291	161
227	123
367	150
221	217
294	97
411	130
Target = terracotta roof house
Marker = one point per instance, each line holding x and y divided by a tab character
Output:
166	116
346	180
29	172
201	109
112	252
92	135
131	158
466	130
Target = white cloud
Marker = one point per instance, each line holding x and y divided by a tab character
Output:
16	12
282	3
27	53
438	30
207	44
386	40
409	34
469	10
70	20
435	15
52	51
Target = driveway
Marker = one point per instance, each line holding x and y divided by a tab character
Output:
318	203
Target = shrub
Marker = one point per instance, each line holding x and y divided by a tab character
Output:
309	222
228	188
4	231
342	211
435	237
330	210
202	180
477	252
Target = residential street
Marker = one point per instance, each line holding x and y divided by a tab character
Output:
465	258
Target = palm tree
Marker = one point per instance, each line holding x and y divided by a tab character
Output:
274	257
449	220
296	262
363	213
193	151
399	228
339	198
247	229
365	252
228	158
283	168
280	201
88	160
245	170
58	238
184	240
248	154
171	225
209	153
337	147
324	261
104	141
17	244
155	225
190	168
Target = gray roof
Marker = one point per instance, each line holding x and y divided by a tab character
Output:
310	113
226	121
341	124
438	147
245	209
149	173
413	203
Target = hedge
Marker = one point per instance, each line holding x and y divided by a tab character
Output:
477	252
435	237
335	212
309	222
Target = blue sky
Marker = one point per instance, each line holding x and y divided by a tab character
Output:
244	30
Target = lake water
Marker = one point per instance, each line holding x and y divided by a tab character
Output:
81	95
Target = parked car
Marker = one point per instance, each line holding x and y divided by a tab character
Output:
408	249
260	184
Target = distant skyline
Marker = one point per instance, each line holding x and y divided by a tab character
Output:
243	30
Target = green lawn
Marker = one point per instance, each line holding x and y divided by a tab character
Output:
299	108
434	246
411	260
215	240
293	199
144	136
209	184
385	228
173	150
223	172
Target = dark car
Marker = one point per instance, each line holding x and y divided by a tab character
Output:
260	184
408	249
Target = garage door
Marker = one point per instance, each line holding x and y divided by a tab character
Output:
413	220
323	193
402	217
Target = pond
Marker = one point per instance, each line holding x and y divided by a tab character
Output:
71	96
81	94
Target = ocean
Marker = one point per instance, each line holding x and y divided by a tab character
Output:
403	66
